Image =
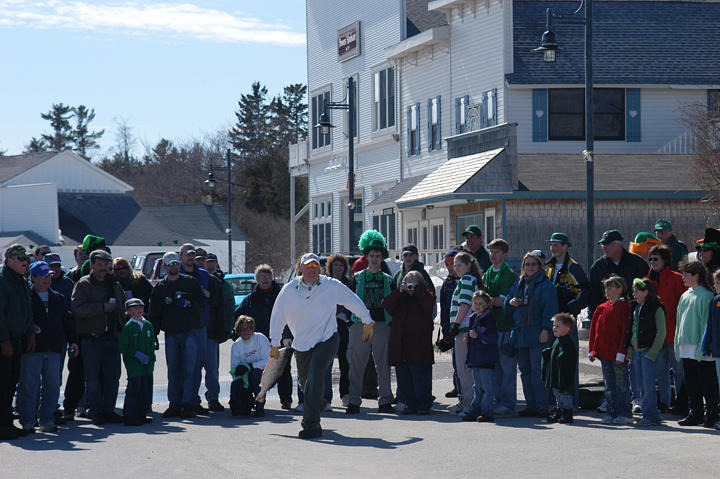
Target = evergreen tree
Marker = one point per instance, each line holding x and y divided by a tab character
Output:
83	138
251	135
59	118
35	145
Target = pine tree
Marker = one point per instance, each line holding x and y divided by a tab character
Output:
35	145
251	135
59	118
83	138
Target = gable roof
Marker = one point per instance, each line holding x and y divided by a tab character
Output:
389	197
200	221
634	42
461	175
11	166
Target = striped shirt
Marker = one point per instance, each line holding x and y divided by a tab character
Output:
464	290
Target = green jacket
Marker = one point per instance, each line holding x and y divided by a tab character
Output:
15	305
558	365
498	284
358	286
692	317
133	339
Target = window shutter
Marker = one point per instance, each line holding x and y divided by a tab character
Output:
409	131
438	139
417	127
457	116
483	110
430	137
539	114
632	115
494	105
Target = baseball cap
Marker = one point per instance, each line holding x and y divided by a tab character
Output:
663	225
16	251
39	268
609	236
309	258
472	230
100	254
201	253
409	248
187	248
134	302
170	257
212	257
52	258
559	238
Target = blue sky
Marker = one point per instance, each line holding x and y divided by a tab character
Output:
169	69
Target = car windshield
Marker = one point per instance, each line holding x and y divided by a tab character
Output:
241	286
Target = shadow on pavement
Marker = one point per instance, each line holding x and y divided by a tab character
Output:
332	437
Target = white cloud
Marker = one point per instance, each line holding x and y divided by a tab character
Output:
179	20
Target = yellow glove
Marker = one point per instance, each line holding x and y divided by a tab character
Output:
274	352
367	332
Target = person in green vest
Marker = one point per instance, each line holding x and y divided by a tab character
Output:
498	279
137	346
372	286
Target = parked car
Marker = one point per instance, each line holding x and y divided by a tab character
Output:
242	285
145	262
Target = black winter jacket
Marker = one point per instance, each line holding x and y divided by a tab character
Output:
55	323
169	310
15	306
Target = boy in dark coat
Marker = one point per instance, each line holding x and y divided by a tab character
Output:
559	362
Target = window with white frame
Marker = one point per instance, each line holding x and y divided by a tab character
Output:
318	104
322	227
434	130
385	224
461	112
462	221
413	130
411	235
383	98
490	230
438	235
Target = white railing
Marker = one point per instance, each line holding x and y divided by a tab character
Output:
684	143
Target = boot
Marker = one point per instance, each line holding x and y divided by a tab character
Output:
259	409
566	416
554	415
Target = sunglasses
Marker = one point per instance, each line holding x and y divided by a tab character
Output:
22	257
172	263
312	265
652	259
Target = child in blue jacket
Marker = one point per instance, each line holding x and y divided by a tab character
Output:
482	355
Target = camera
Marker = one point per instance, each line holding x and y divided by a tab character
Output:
410	286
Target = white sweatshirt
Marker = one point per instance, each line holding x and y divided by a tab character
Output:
310	313
255	351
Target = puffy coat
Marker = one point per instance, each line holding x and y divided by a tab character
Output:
411	327
545	306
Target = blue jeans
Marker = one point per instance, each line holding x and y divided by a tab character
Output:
505	376
648	376
101	359
181	352
483	390
636	382
564	400
200	335
328	387
40	380
212	366
138	390
312	367
666	361
415	381
536	394
617	387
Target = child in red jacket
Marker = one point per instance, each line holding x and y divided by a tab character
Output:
607	336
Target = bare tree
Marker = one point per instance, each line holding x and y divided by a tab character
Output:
124	139
704	123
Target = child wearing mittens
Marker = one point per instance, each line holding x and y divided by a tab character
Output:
137	346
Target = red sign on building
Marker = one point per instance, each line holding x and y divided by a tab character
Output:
349	42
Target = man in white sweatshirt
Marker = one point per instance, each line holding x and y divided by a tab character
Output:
307	305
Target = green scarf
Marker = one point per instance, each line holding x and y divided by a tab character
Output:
360	291
245	378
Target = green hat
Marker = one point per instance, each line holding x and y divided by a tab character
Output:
373	240
473	230
559	238
663	225
91	243
609	236
643	237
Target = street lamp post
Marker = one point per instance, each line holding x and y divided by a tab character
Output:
549	47
324	125
211	184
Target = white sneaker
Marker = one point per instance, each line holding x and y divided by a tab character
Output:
456	408
299	408
637	409
607	420
622	420
345	400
